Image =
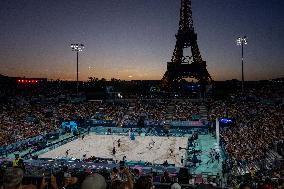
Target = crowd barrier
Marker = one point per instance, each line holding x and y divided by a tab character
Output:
147	123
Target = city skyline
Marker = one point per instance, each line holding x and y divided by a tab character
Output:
134	40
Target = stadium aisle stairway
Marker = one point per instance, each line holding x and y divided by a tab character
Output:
169	115
203	113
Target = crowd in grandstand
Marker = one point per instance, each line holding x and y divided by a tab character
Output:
154	111
257	129
256	133
21	121
117	178
132	178
23	117
184	110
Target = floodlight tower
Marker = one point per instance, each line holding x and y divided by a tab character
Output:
242	41
77	48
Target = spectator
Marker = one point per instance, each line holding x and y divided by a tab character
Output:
144	182
12	179
118	184
245	186
166	178
94	181
175	186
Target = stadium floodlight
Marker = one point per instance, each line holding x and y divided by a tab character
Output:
241	41
77	48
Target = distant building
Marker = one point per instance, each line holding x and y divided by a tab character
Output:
6	80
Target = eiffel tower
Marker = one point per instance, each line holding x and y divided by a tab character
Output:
182	66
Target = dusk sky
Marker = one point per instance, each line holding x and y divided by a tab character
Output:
137	37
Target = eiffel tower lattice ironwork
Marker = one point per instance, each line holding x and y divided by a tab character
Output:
182	66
